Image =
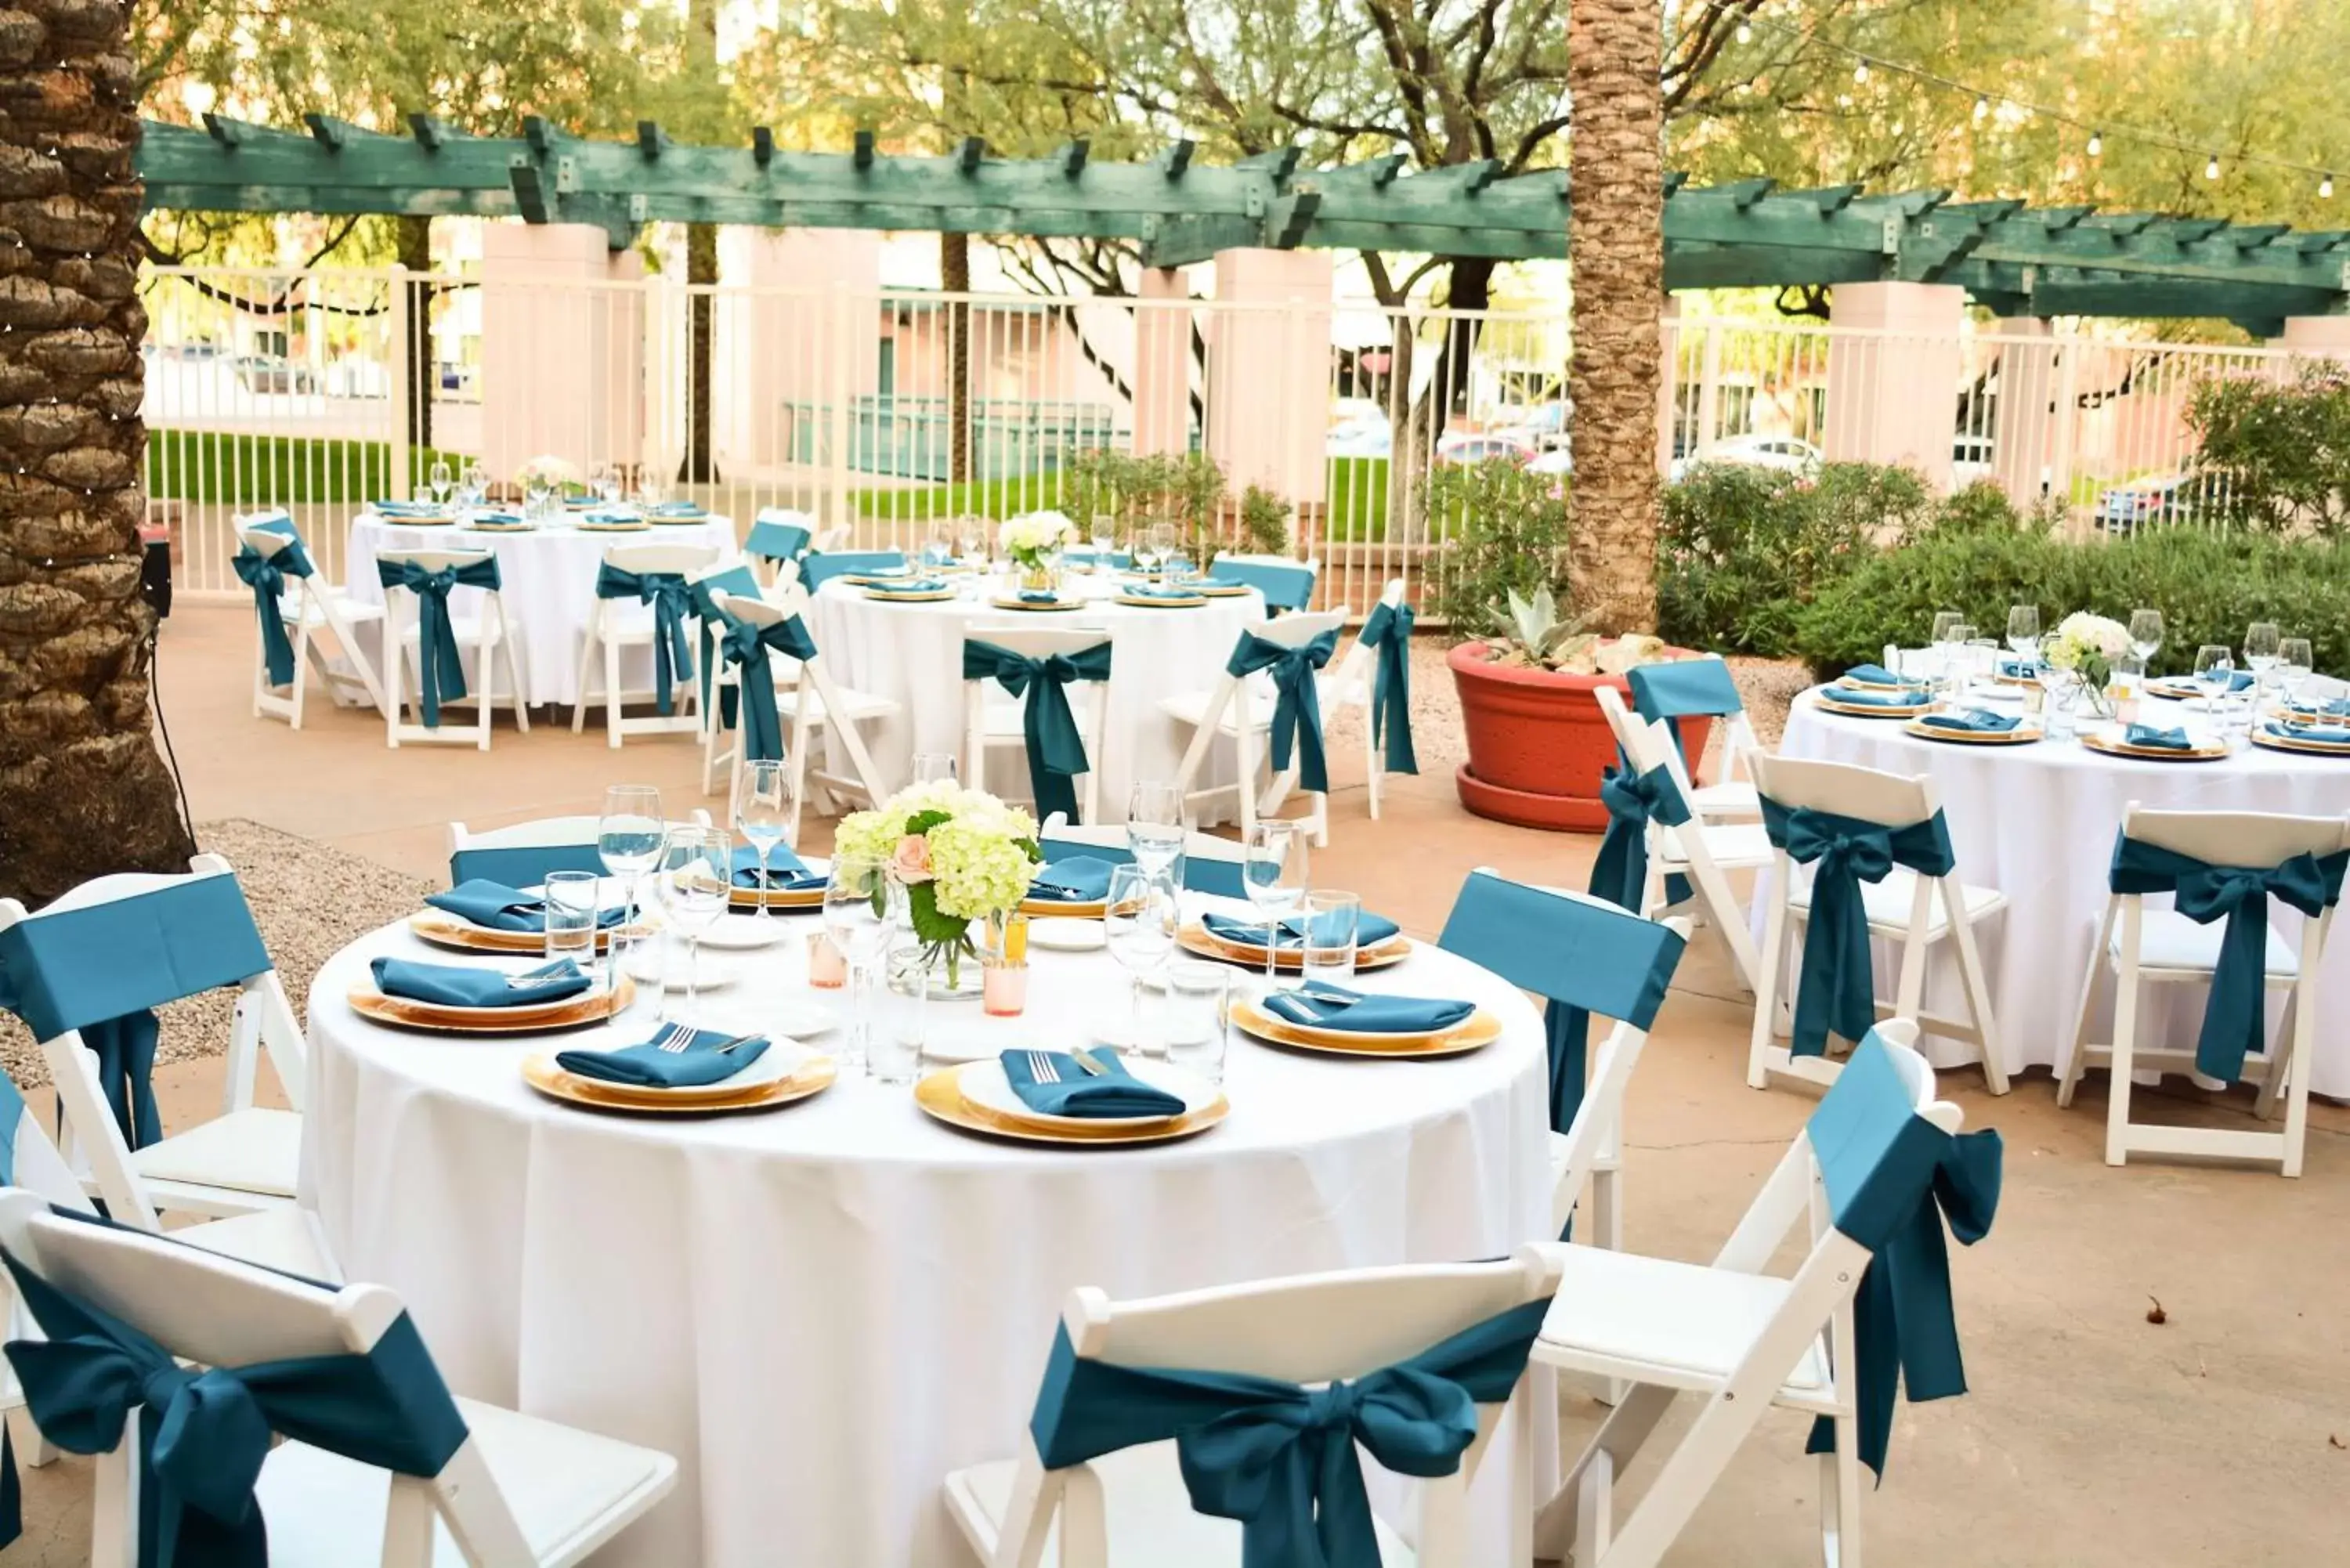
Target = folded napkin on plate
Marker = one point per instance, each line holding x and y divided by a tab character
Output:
2022	669
1323	1006
2312	708
2165	739
648	1066
2238	681
1875	675
1974	720
406	508
909	586
1076	880
1039	597
2331	734
495	515
786	873
1068	1090
611	514
503	909
1153	591
455	985
1369	929
1862	697
680	509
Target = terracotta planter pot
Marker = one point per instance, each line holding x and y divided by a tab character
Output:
1538	742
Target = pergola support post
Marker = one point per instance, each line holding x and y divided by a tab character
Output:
1162	363
1893	375
1269	372
565	364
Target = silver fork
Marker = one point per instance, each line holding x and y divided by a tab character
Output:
1043	1068
673	1038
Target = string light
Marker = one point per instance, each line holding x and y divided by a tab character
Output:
1982	109
2325	189
2211	169
1745	32
2096	142
1860	72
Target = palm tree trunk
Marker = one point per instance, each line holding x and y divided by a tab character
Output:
1615	253
955	278
82	789
702	269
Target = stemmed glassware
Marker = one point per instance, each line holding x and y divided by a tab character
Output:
696	877
2023	633
1946	623
2260	639
2293	666
934	767
442	479
1162	545
629	838
1154	826
2215	673
1139	921
971	533
857	917
1959	664
2145	636
1105	539
476	482
762	815
1274	875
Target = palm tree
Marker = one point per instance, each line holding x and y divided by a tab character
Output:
1615	251
82	790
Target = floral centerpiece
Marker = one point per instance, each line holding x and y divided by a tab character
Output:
1033	539
961	854
546	479
2086	646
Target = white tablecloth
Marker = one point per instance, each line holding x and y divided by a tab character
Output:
548	583
2037	823
912	653
823	1310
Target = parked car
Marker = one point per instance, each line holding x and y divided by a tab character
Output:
2162	498
271	373
1970	460
1464	447
1787	453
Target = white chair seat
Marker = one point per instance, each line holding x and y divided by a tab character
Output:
2168	940
1736	797
294	611
1888	903
256	1150
1682	1325
853	705
1249	705
570	1491
1734	847
285	1237
1148	1515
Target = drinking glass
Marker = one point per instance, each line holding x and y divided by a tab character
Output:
2023	633
2215	673
893	1055
1104	536
971	533
1139	921
1199	1017
442	478
600	474
629	835
2260	639
1333	920
1162	543
2295	665
1945	621
477	484
696	873
571	903
762	815
1154	825
932	767
1955	658
1273	875
2145	634
857	896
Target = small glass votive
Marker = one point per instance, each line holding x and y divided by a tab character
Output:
1004	965
1333	922
827	969
570	897
1198	1015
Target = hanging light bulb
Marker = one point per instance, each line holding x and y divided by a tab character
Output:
1861	72
2325	189
2096	142
1982	109
1745	34
2211	169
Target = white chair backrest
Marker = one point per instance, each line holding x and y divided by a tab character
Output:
37	1165
1297	630
1197	846
776	606
262	542
1033	641
268	515
434	560
543	831
685	560
832	540
1890	800
2252	838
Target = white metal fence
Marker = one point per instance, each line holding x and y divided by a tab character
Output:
902	413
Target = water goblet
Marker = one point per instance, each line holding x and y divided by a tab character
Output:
1104	536
2023	633
2215	674
2295	665
858	895
2260	639
629	841
695	876
442	478
1274	876
1154	825
1139	919
764	810
2145	634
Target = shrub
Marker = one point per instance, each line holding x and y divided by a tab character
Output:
1510	537
2276	457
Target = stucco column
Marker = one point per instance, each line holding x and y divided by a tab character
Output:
1162	363
2324	335
563	348
803	328
2025	417
1894	362
1269	372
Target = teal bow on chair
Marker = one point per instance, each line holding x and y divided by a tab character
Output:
671	602
745	645
1620	874
266	575
202	1435
1835	990
1279	1457
1049	728
1297	704
2235	1017
440	670
1388	630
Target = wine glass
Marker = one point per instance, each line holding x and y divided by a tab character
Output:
2024	634
934	767
629	835
763	809
1154	825
1105	539
1274	876
1139	919
1957	659
477	484
2215	673
857	917
1162	543
1945	623
971	533
2145	635
696	875
2293	666
2260	639
600	474
442	478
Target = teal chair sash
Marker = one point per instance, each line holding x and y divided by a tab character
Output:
1633	800
1298	703
202	1435
1893	1178
1835	990
821	568
1279	1457
521	864
441	670
100	971
1282	587
2235	1020
776	541
671	602
1389	632
12	1116
697	592
1221	877
266	575
1684	688
745	645
1048	727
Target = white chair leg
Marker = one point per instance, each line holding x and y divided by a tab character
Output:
1840	1503
1374	775
2126	999
588	666
612	693
2070	1079
1978	988
1767	979
395	674
1244	759
486	671
2293	1060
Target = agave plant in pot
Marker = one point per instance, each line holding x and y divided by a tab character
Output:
1537	741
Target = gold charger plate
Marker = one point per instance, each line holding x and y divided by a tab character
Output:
1234	592
777	898
500	527
2210	754
941	1096
614	527
1055	607
893	596
1189	601
1863	710
689	521
1197	939
1479	1030
571	1013
815	1076
2261	737
2022	735
871	579
1073	908
449	931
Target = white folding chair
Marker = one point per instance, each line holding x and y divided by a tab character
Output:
810	704
519	1492
2163	947
244	1161
321	621
1286	583
1740	1337
1130	1505
832	541
1210	865
1242	709
992	718
617	625
716	678
1349	683
488	630
521	853
1731	796
779	536
1917	911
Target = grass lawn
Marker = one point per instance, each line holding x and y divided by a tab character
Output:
209	467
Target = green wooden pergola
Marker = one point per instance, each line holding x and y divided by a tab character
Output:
2014	259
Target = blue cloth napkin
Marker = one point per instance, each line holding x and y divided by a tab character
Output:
2332	734
1076	880
1369	929
2313	708
786	873
406	508
1875	675
1974	720
456	985
647	1066
1860	697
503	909
682	509
1070	1091
909	586
1324	1006
1039	597
2238	681
2167	740
495	515
2022	669
1153	591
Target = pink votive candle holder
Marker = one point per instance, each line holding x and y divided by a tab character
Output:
828	970
1003	989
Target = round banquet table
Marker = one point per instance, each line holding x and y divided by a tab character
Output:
547	579
824	1309
2037	822
912	654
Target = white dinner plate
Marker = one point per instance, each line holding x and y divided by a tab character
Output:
797	1016
1062	934
734	932
985	1086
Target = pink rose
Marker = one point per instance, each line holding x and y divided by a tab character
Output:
911	862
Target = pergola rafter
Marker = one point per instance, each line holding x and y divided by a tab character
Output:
1748	234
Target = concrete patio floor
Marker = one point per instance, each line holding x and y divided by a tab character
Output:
2092	1436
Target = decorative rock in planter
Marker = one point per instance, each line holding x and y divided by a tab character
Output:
1538	742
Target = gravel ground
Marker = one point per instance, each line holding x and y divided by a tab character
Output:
309	901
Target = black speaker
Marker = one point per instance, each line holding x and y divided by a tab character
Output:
155	575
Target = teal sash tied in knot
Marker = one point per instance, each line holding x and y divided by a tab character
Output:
1683	688
667	593
1633	800
699	593
202	1435
440	669
1280	1458
1836	991
1298	703
745	645
1048	727
1388	630
266	575
2235	1021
